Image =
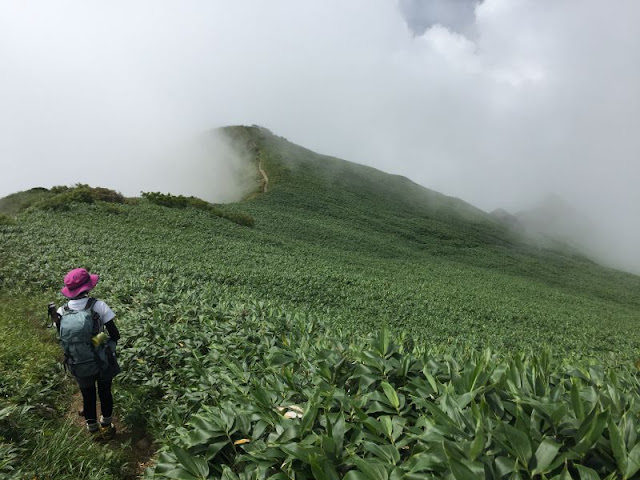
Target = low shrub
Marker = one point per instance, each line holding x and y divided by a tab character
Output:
180	201
59	189
113	209
239	218
64	197
176	201
6	220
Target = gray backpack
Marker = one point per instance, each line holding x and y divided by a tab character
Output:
77	328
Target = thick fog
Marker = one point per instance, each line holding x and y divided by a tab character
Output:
499	103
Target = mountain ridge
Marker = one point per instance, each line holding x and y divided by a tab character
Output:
355	304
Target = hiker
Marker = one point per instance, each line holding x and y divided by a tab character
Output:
89	352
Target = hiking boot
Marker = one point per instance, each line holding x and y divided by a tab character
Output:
94	430
103	432
108	431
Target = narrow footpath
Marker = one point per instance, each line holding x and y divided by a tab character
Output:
265	179
137	448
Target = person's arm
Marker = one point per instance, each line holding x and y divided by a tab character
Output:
107	317
114	334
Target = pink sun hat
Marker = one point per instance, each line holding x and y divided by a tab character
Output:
78	281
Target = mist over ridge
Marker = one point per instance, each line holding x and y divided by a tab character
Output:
496	102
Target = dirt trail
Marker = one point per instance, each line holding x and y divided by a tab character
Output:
140	450
265	179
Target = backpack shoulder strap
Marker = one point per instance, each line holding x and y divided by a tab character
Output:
97	324
90	303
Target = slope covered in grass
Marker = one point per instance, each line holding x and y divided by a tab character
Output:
16	202
211	311
355	245
430	263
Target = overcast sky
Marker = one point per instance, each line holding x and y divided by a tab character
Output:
498	103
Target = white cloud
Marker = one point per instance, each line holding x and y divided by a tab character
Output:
536	96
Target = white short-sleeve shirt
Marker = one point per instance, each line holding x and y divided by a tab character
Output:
101	308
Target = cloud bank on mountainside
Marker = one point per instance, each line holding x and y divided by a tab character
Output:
497	103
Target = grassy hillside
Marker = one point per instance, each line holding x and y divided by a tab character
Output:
16	202
223	322
431	263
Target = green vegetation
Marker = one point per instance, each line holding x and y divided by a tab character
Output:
35	439
6	220
58	198
180	201
17	202
64	197
362	306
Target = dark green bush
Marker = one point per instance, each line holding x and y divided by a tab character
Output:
239	218
176	201
6	220
81	193
101	194
113	209
180	201
59	189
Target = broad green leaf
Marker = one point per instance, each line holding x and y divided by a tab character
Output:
391	394
598	424
279	476
565	475
372	469
630	430
452	409
227	474
545	454
505	465
213	449
374	426
430	379
477	445
180	474
355	475
194	465
423	462
461	468
461	471
519	442
323	470
441	417
563	458
338	430
618	446
388	453
296	451
633	462
328	445
383	341
586	425
309	418
398	428
586	473
397	474
387	425
576	401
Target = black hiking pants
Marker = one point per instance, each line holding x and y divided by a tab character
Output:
89	398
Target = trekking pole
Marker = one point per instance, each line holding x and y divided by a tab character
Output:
52	315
